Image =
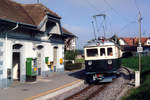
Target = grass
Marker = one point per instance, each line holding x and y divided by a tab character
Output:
143	92
132	62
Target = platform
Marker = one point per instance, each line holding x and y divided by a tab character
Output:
54	84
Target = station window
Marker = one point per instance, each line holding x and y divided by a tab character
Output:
102	52
109	52
92	52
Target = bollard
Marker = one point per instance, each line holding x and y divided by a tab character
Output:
137	78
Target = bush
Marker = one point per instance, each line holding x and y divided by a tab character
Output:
70	55
70	66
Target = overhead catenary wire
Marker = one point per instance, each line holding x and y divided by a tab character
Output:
115	11
127	25
137	7
92	6
95	8
99	27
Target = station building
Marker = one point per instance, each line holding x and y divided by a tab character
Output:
31	42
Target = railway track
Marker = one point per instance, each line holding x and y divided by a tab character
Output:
88	93
92	91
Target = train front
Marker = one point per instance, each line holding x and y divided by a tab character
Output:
102	60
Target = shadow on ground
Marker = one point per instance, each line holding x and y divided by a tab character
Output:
78	74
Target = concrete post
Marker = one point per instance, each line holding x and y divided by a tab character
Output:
137	78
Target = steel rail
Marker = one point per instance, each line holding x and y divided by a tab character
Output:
88	93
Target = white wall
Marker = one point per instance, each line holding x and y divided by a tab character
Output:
27	51
122	42
147	42
60	55
48	52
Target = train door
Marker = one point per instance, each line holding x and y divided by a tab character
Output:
55	56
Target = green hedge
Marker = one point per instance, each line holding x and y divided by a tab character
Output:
69	66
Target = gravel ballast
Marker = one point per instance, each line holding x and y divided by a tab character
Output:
114	91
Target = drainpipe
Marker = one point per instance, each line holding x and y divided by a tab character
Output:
6	46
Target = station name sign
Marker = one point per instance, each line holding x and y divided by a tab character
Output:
139	49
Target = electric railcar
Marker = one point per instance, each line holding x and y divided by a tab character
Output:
102	60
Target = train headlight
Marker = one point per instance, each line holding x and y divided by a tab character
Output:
109	62
89	63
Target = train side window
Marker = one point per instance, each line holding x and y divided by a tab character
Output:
102	51
109	52
92	52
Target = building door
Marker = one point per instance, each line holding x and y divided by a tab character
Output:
39	62
39	58
16	66
55	56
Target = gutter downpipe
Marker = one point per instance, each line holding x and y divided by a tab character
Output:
17	25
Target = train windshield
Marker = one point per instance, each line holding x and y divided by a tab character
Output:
92	52
109	52
102	52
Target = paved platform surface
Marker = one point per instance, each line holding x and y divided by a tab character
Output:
29	90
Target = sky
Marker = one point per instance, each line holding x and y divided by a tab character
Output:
121	17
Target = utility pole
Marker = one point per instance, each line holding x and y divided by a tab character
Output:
139	50
140	45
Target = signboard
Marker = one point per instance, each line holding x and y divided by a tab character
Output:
139	49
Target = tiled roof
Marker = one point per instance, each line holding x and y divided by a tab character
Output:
24	13
37	12
13	11
133	41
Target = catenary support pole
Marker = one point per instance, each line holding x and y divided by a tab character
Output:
137	73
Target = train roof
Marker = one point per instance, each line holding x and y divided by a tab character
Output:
96	43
